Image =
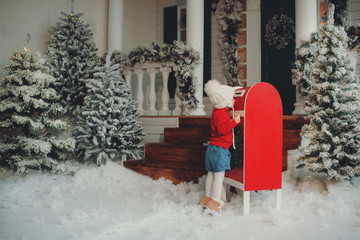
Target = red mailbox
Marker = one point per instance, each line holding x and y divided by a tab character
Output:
262	118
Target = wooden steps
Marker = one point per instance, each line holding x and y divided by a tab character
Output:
291	136
180	157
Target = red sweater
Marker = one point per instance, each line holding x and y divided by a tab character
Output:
221	128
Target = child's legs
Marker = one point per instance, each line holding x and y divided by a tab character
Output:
208	183
217	185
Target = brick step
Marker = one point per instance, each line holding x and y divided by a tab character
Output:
195	122
175	172
293	122
291	139
174	153
187	136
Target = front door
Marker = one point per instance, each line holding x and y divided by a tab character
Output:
276	63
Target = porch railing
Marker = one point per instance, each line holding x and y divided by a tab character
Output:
149	84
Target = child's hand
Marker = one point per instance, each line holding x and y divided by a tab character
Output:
237	118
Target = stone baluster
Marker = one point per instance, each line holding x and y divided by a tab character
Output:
165	71
127	74
139	93
152	95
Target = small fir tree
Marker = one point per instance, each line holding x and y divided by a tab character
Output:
72	58
332	106
303	65
107	127
30	116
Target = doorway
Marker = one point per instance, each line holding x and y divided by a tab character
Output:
276	63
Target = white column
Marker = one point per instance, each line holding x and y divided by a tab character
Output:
306	22
195	39
152	95
115	24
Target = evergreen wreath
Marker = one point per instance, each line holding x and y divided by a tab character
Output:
182	55
229	22
279	31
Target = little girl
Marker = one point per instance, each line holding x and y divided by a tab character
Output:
217	156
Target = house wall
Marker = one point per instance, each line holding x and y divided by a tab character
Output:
17	18
139	23
354	19
253	29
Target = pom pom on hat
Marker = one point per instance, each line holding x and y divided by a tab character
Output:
221	96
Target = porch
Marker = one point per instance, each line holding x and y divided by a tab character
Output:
174	146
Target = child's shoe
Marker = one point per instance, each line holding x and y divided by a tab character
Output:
214	205
204	201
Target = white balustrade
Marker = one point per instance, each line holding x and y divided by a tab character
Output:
147	105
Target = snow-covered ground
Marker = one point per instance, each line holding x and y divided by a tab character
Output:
112	202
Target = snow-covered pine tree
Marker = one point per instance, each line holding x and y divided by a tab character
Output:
107	127
302	67
72	58
30	116
333	111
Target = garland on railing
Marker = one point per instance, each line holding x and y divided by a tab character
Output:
279	31
229	22
182	55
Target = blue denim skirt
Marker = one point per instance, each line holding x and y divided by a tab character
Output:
217	159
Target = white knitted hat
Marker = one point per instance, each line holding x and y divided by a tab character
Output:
221	96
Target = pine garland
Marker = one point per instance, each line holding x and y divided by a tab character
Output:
229	22
182	55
